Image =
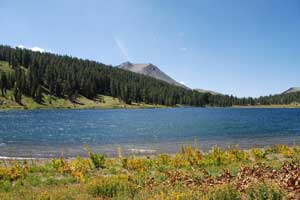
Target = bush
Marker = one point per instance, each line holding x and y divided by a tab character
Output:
5	186
258	153
192	155
13	173
178	161
97	159
60	165
265	191
178	195
216	157
225	192
135	164
112	186
79	167
237	154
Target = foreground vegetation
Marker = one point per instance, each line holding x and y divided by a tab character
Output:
271	173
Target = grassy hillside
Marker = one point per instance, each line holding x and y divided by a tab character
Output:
51	102
231	174
101	102
4	67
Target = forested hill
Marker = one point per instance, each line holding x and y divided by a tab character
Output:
36	75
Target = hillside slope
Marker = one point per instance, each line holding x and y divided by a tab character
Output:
101	102
53	102
68	77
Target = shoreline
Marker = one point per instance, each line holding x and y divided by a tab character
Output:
143	153
28	152
83	107
88	108
269	106
133	107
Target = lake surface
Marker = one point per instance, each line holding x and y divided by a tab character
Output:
47	133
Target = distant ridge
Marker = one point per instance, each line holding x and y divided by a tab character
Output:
292	90
149	69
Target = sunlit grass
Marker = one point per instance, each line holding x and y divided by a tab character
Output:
4	67
270	173
52	102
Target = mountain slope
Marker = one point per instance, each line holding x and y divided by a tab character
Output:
292	90
150	70
37	75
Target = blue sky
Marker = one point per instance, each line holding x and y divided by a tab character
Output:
239	47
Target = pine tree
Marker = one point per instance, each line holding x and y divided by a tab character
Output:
3	84
38	95
18	95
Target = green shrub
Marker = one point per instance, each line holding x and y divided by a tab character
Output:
112	186
33	180
136	164
239	155
66	179
5	186
216	157
265	191
98	160
105	187
226	192
258	153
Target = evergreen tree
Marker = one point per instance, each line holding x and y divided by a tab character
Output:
18	95
3	83
38	95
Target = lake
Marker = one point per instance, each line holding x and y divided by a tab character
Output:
48	133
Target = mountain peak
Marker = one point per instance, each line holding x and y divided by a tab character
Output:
292	90
151	70
125	64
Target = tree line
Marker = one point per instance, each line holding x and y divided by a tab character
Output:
279	99
35	74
